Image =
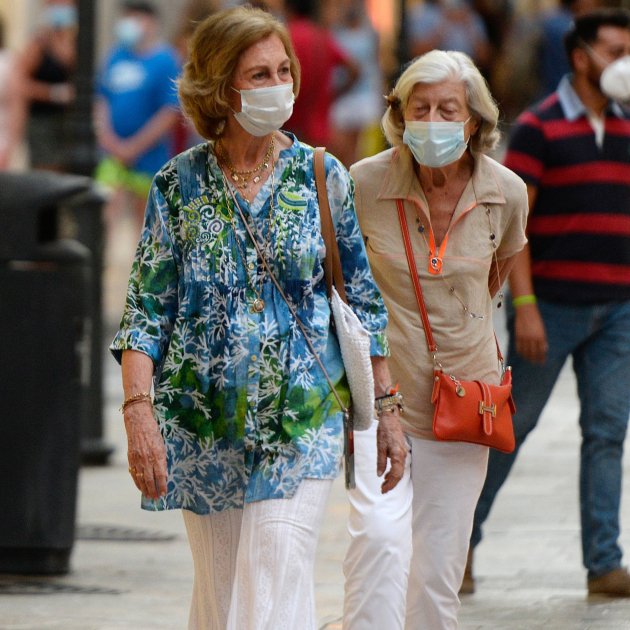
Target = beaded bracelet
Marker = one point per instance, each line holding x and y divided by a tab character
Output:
135	398
391	390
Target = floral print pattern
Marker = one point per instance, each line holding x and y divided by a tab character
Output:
244	409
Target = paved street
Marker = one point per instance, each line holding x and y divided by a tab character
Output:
132	569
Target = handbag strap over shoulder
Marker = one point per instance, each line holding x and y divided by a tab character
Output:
415	280
348	450
288	302
404	228
332	262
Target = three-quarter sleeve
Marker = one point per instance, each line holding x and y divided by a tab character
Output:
363	295
152	293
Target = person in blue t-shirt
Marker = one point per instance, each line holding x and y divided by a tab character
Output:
136	109
449	25
552	59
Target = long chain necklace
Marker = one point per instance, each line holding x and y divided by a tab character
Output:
435	263
258	305
242	179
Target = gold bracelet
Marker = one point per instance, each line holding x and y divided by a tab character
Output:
389	403
135	402
134	398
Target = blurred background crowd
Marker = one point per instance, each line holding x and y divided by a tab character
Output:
351	51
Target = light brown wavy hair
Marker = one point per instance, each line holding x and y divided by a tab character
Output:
215	49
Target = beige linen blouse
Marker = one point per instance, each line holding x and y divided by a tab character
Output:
466	346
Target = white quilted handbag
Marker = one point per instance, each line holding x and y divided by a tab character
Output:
354	342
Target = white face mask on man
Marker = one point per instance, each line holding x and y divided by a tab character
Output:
615	80
435	144
266	109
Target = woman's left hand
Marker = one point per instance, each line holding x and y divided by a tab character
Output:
390	444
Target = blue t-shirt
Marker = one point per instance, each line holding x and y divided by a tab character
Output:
136	86
552	58
426	20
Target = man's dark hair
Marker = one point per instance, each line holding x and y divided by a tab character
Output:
138	6
586	27
303	8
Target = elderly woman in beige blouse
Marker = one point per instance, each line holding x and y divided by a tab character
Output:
467	216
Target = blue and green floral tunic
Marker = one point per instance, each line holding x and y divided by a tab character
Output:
245	411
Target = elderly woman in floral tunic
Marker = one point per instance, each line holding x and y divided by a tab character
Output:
244	433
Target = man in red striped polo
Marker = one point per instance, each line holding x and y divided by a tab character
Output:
571	284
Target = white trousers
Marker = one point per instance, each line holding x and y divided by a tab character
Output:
254	567
408	548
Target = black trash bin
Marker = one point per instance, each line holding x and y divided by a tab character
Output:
39	207
44	372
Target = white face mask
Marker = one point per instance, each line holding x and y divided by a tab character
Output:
129	32
60	16
435	144
264	110
615	80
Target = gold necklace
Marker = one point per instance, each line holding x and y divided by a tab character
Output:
258	305
242	178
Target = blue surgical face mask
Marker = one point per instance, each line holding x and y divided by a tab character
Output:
60	16
129	32
435	144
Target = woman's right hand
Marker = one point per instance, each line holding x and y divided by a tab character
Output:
529	333
390	445
146	452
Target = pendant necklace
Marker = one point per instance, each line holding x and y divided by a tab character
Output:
436	261
258	304
436	255
242	179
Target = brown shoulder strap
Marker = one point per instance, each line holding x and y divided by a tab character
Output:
332	263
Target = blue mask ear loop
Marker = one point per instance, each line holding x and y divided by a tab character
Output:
470	136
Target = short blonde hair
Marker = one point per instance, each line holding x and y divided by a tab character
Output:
434	67
215	49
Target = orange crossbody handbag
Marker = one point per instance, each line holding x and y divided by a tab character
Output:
465	411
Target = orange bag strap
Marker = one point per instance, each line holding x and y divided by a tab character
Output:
404	228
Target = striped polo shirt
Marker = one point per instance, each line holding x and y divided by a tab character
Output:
579	227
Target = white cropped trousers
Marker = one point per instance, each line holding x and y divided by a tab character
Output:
408	548
254	567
